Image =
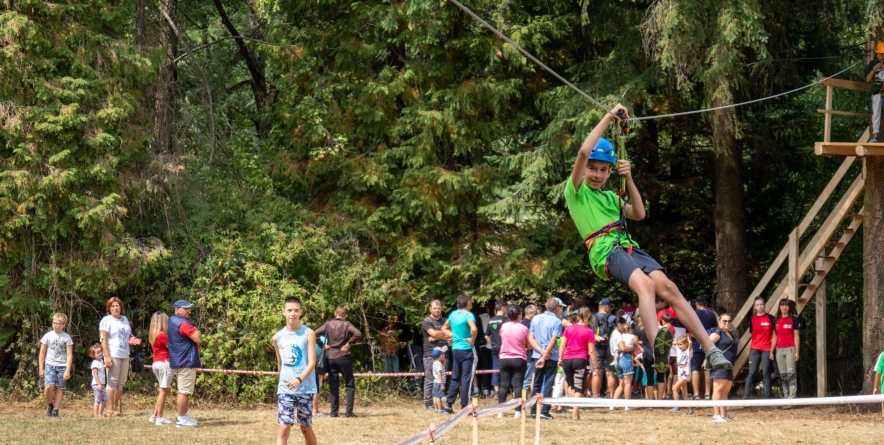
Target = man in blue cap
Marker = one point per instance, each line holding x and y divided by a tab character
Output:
604	323
184	357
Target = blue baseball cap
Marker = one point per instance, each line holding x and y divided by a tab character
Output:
605	302
439	352
182	303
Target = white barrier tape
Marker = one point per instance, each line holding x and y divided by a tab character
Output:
499	408
530	403
452	422
642	403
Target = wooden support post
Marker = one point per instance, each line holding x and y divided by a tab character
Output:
821	361
475	421
524	416
432	433
537	409
827	126
793	265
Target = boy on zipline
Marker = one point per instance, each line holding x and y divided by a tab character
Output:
600	218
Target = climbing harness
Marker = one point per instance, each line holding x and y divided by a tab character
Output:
620	131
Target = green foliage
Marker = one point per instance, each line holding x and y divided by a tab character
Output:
411	155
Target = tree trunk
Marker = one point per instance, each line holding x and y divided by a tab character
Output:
873	294
141	26
164	117
730	219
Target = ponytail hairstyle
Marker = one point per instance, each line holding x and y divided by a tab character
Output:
793	311
584	316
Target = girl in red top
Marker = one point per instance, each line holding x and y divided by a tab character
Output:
159	342
761	326
787	343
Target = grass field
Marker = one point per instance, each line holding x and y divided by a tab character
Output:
387	424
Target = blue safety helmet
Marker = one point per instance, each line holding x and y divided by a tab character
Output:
603	151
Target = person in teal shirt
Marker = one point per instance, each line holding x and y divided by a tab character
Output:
596	214
461	326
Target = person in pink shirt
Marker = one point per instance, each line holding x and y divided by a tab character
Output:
578	344
514	344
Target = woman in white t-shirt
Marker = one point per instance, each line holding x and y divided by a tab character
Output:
116	336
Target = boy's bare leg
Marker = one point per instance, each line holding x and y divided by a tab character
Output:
668	291
49	393
646	289
59	396
309	437
282	436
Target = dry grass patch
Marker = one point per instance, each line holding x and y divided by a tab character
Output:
387	424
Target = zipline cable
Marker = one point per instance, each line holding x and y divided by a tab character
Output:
599	104
646	118
528	55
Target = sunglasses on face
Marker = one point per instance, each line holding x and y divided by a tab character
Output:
725	321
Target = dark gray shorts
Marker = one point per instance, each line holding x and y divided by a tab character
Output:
621	264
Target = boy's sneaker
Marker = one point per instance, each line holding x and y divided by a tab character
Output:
627	409
728	418
690	412
447	410
49	409
55	413
500	416
873	140
546	416
718	419
662	346
675	410
152	419
715	360
162	421
518	414
185	421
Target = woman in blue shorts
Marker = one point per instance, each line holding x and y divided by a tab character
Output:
723	380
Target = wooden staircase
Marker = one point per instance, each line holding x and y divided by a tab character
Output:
810	261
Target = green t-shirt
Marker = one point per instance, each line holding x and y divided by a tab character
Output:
879	368
878	78
591	210
460	326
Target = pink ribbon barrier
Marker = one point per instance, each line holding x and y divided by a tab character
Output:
359	374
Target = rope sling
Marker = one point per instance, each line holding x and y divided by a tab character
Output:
620	133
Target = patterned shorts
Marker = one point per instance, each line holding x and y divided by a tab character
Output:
100	395
289	404
54	375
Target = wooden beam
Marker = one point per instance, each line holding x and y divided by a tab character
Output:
805	223
828	114
870	150
835	148
848	84
827	127
821	359
793	264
